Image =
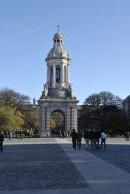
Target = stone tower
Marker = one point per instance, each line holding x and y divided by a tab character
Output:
58	106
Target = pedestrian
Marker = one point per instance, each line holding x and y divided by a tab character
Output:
74	139
103	140
98	136
92	139
126	135
62	133
87	138
1	141
9	135
79	139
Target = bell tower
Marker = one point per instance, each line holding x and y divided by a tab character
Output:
58	106
57	64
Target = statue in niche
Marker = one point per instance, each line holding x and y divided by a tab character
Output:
71	91
45	90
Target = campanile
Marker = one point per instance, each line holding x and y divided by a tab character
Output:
58	106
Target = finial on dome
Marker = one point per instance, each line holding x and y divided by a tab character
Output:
58	28
58	37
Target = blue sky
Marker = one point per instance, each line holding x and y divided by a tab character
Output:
96	35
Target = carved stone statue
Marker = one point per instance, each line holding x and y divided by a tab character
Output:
71	91
45	90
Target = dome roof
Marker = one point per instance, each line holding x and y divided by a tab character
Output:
58	52
58	35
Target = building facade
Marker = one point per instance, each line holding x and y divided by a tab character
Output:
58	106
126	106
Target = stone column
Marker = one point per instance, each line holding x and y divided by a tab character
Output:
54	76
48	74
48	122
68	119
68	73
74	118
42	121
62	73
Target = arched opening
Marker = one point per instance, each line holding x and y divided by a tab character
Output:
57	123
57	73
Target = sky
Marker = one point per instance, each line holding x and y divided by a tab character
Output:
96	36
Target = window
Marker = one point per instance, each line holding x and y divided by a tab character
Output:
51	75
57	73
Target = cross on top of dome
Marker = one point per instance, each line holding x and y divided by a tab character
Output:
58	37
58	28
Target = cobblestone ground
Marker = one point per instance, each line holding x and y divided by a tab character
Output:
43	166
118	155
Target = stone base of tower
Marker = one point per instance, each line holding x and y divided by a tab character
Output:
68	107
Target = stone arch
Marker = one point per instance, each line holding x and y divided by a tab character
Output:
57	123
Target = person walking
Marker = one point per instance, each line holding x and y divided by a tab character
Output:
79	138
127	136
74	139
1	141
87	138
98	136
103	140
91	137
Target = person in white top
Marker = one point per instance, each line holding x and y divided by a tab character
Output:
103	139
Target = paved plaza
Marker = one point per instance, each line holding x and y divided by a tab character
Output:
49	165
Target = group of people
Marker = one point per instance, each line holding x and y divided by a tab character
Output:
94	139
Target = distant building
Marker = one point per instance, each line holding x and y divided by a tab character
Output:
126	106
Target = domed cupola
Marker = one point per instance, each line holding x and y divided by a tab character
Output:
58	51
58	69
58	38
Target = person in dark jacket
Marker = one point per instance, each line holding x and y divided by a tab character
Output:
92	139
79	138
1	141
98	136
74	138
87	138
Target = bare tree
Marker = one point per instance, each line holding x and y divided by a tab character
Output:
12	98
93	100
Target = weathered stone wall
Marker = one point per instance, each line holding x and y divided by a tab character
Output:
48	106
